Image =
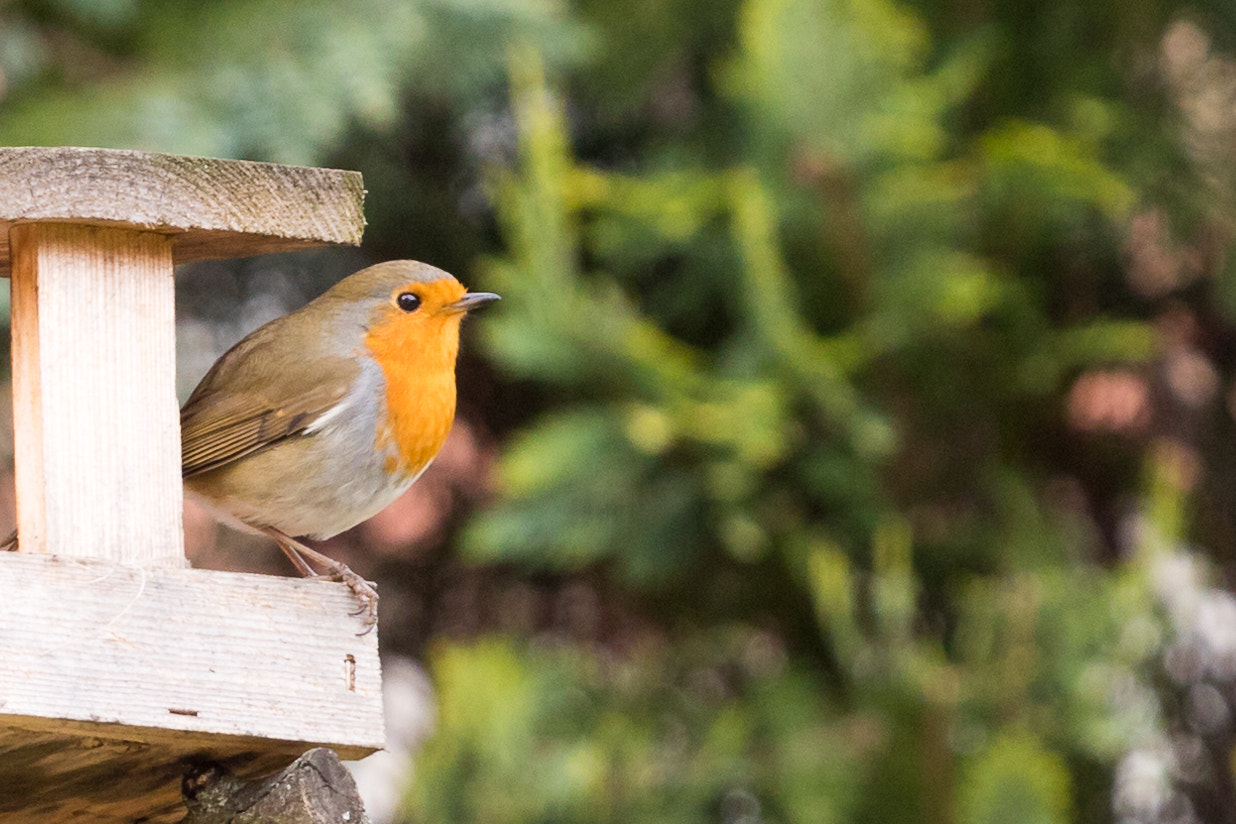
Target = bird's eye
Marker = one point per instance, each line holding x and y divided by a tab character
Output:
408	301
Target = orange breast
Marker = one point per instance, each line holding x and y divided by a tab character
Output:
418	362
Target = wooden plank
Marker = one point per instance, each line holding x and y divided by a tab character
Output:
117	677
212	208
98	432
187	656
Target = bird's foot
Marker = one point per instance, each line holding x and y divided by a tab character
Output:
365	591
10	543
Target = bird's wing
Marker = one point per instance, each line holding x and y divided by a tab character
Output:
252	398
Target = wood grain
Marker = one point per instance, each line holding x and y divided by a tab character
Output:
115	675
60	778
211	208
97	452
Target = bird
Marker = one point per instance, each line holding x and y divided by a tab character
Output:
319	419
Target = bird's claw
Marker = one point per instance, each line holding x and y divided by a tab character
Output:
365	591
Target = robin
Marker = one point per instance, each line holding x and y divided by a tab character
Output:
323	417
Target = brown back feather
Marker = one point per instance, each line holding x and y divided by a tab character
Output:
257	395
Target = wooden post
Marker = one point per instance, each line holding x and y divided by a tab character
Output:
119	663
94	357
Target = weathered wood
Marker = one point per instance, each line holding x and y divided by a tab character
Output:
94	404
114	676
211	208
185	655
313	789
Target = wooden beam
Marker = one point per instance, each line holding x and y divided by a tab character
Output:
115	677
185	653
210	208
94	374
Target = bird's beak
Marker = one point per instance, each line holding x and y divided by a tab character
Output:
472	300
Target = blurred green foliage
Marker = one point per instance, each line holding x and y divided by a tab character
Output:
798	295
718	728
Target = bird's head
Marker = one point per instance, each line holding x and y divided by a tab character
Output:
410	312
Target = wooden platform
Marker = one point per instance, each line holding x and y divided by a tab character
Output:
115	678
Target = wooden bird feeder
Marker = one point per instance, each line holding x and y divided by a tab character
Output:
119	666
